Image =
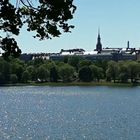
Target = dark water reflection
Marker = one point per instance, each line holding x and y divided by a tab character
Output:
69	113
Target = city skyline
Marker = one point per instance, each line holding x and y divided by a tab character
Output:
118	22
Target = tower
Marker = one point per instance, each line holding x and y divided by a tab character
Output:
128	44
99	45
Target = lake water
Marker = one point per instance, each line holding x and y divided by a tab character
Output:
69	113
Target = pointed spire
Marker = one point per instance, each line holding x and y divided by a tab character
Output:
98	32
99	45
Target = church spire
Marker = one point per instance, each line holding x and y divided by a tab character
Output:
99	45
99	32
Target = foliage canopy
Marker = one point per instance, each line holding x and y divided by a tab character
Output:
48	18
34	71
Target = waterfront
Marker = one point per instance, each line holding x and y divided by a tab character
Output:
57	113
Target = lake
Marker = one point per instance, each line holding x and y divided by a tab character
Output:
69	113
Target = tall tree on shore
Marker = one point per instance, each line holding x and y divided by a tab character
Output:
4	71
42	74
66	72
97	72
134	70
46	17
112	70
123	71
25	76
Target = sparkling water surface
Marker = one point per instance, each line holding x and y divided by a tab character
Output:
69	113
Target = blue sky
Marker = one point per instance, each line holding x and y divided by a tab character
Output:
119	21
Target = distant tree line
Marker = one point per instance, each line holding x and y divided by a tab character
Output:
71	69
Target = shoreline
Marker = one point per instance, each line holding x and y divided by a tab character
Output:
111	84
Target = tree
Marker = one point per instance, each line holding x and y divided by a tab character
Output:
97	72
66	58
37	62
74	61
32	72
123	71
4	70
85	74
134	70
25	76
66	72
53	74
85	62
2	79
102	64
47	18
17	67
42	74
112	70
48	64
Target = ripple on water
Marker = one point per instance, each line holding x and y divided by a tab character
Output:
39	113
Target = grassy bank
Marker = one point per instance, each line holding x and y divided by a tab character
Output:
86	84
76	84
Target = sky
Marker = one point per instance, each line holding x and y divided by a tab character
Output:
118	20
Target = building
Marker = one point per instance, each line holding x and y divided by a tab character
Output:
99	53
